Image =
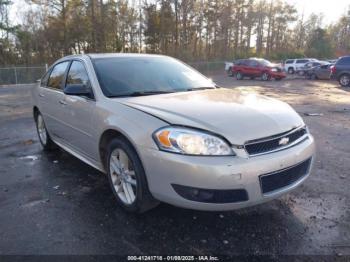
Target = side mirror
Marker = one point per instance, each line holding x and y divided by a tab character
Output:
77	90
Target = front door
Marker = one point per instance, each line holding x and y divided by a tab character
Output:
79	112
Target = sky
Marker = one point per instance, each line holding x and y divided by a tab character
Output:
332	9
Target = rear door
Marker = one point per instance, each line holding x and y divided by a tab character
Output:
323	72
79	112
51	98
242	66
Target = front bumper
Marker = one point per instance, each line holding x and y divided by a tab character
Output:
278	74
164	170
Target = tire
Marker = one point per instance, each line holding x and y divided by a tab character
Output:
265	77
44	137
229	72
239	76
252	78
344	80
131	177
291	70
313	77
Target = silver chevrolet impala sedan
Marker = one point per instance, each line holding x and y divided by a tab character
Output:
161	131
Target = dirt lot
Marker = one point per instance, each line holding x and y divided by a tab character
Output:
55	204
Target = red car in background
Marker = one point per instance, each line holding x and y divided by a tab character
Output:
257	67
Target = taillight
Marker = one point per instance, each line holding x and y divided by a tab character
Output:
333	69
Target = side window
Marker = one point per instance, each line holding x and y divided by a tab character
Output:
57	75
252	63
238	62
244	62
44	79
324	66
289	61
77	74
302	61
344	61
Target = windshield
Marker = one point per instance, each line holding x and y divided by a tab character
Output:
123	76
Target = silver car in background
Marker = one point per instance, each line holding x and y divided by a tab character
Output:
161	131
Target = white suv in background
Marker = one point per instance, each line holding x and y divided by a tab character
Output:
294	65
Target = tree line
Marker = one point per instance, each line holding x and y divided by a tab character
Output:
192	30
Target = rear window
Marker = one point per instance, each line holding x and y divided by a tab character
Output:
241	62
289	61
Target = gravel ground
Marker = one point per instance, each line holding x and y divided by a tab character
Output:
55	204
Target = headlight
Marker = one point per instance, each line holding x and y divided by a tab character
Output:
273	70
191	142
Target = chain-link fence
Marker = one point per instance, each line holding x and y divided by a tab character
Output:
209	68
30	74
21	75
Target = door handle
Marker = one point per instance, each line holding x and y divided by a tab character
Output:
62	102
41	95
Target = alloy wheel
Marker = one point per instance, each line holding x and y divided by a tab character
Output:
41	129
265	76
123	176
344	80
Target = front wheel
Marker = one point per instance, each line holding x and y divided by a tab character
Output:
344	80
44	137
291	70
313	77
127	177
265	76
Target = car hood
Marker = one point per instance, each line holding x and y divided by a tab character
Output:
237	116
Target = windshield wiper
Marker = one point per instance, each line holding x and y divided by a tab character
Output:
143	93
199	88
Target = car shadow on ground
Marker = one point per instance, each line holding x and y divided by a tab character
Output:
167	229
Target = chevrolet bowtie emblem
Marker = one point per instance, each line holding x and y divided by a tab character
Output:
284	141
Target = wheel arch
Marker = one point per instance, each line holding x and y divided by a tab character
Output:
35	111
343	73
106	136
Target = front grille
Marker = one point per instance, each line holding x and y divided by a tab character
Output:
283	178
273	143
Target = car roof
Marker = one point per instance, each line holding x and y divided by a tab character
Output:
111	55
107	55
